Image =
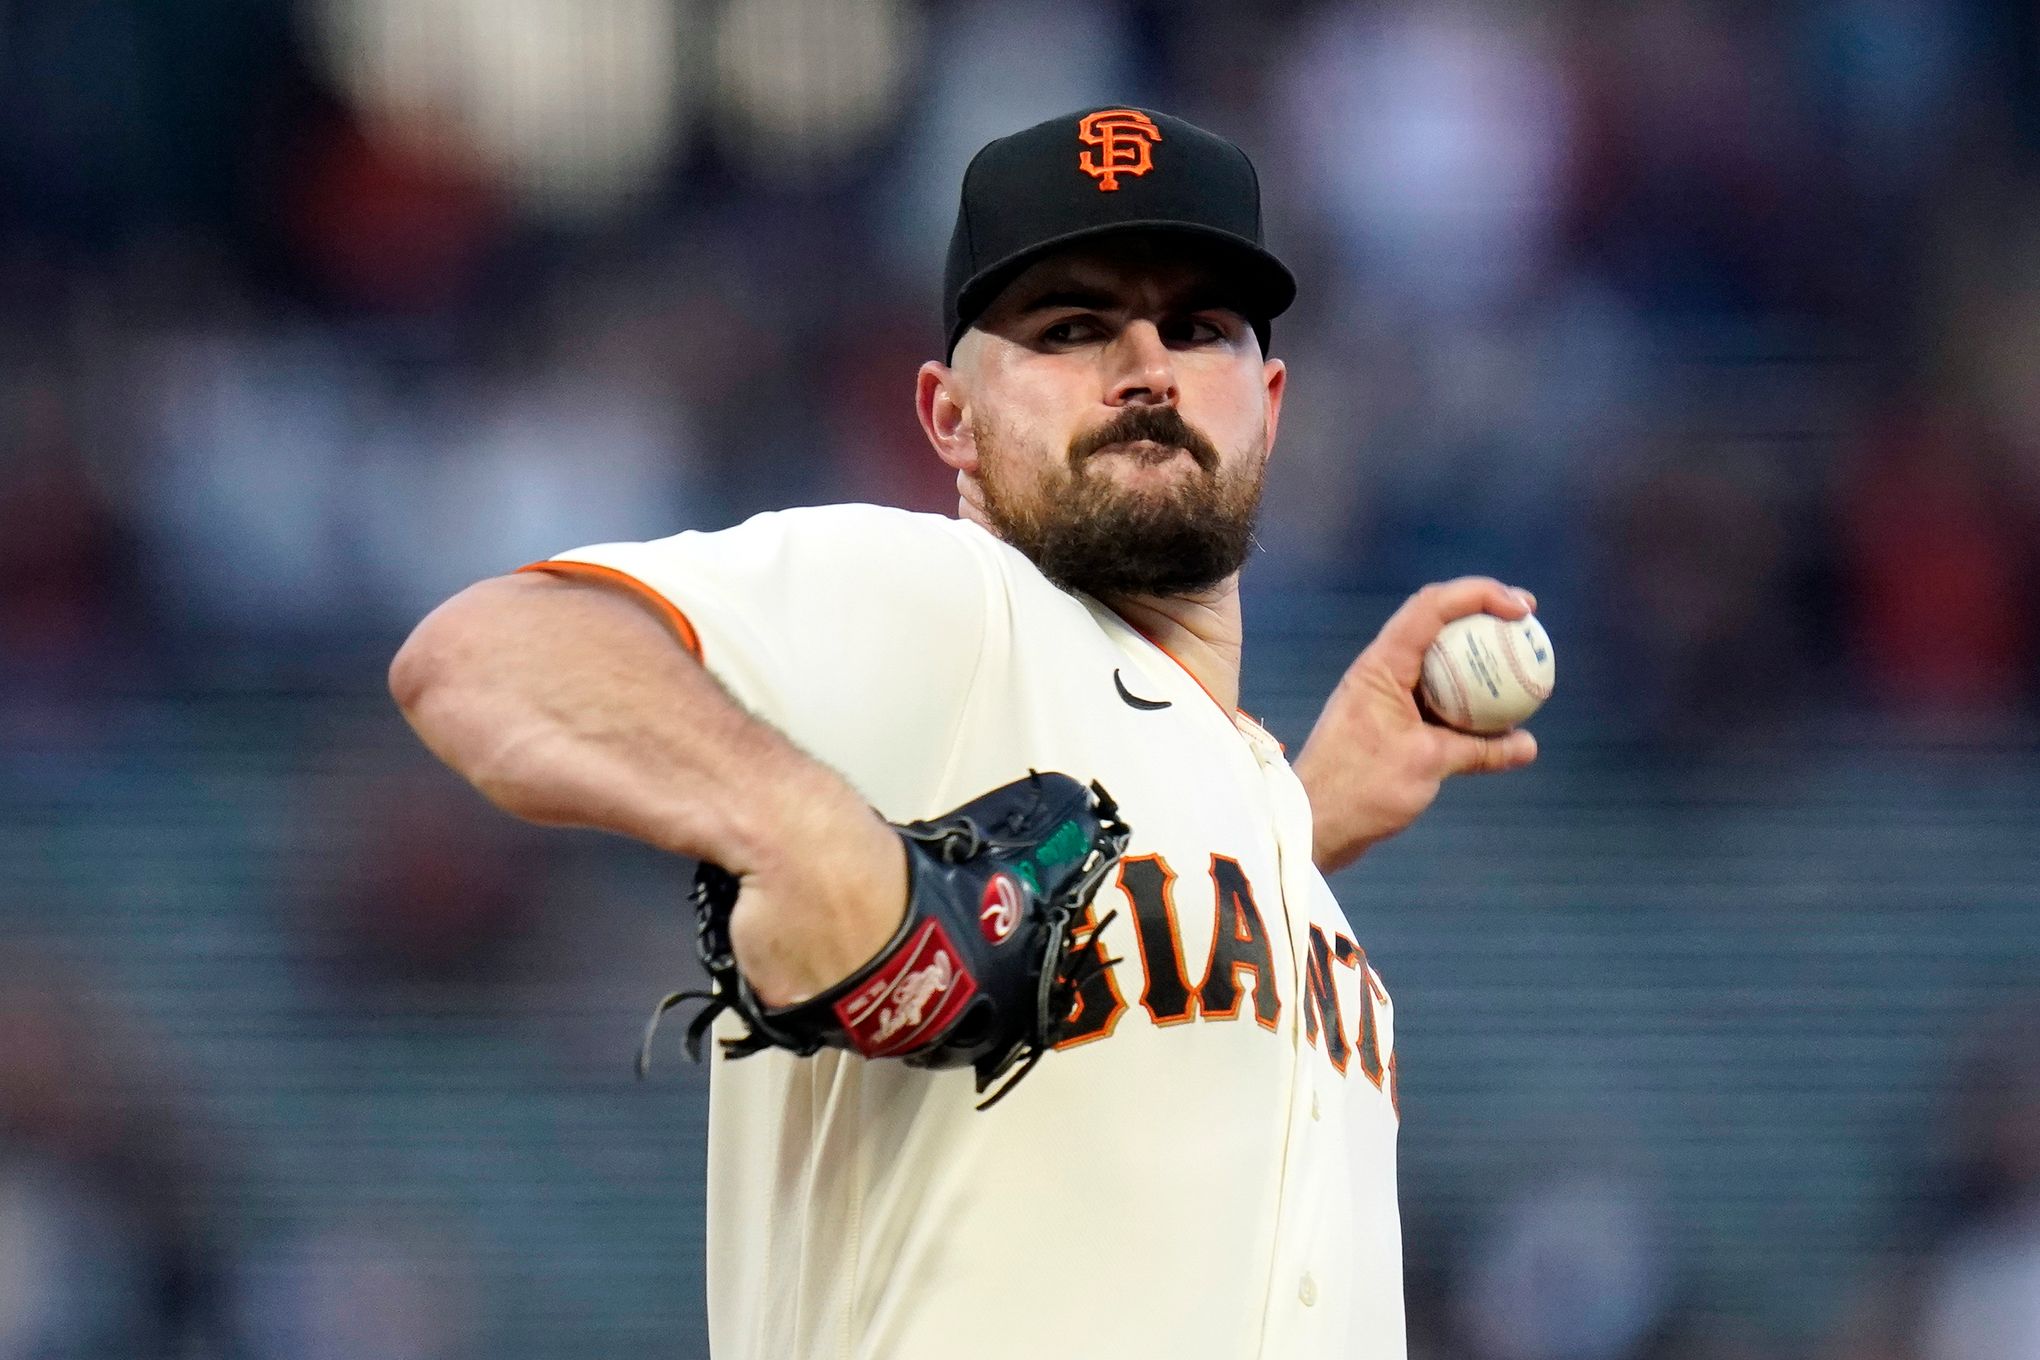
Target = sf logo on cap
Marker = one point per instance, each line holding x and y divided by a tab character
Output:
1124	138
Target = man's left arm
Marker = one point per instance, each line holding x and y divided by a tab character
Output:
1373	763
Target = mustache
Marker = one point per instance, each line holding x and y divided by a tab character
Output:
1158	424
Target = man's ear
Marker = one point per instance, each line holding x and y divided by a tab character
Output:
1275	377
944	409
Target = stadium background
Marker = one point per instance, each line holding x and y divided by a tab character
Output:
1716	323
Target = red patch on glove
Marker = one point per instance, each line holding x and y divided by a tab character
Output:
913	997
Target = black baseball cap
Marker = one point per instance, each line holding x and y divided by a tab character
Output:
1099	172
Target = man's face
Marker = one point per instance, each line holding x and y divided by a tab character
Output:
1115	415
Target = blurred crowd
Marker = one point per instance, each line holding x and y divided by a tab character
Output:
1964	1281
1717	322
1583	1263
129	1229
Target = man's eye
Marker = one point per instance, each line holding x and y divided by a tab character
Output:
1197	331
1069	332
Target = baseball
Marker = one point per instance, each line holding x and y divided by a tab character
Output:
1486	674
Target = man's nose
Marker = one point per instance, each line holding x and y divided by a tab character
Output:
1142	369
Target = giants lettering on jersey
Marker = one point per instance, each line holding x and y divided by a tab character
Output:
1241	962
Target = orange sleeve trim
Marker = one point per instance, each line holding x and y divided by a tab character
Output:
666	609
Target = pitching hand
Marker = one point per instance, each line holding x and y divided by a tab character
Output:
1372	763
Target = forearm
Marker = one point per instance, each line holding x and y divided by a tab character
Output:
569	704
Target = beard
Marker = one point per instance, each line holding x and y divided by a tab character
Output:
1087	533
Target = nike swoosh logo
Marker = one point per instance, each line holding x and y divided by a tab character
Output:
1134	700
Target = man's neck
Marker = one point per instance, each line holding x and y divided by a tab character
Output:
1202	632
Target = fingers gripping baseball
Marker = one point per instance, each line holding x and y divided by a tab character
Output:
1411	630
1373	763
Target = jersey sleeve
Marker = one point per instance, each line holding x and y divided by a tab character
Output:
855	630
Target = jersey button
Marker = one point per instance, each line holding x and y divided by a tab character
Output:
1307	1291
1315	1113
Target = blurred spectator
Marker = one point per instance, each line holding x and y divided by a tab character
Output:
1699	187
1966	1284
109	1243
1572	1269
385	225
424	883
1981	1299
1886	73
387	1288
1882	1321
298	486
68	617
1703	563
871	427
1938	565
245	478
803	89
1435	136
998	65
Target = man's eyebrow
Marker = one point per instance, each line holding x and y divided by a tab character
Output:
1082	299
1210	298
1201	297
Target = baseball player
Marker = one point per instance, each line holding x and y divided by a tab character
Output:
1200	1160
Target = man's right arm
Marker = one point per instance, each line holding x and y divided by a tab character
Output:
569	703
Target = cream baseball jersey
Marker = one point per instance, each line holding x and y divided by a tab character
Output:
1205	1168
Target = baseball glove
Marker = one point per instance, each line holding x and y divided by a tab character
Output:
985	968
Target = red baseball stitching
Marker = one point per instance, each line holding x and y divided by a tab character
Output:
1465	712
1508	648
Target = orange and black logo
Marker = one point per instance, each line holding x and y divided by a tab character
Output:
1125	139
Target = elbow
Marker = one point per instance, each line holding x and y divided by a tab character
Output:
425	682
467	726
425	663
411	672
444	647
